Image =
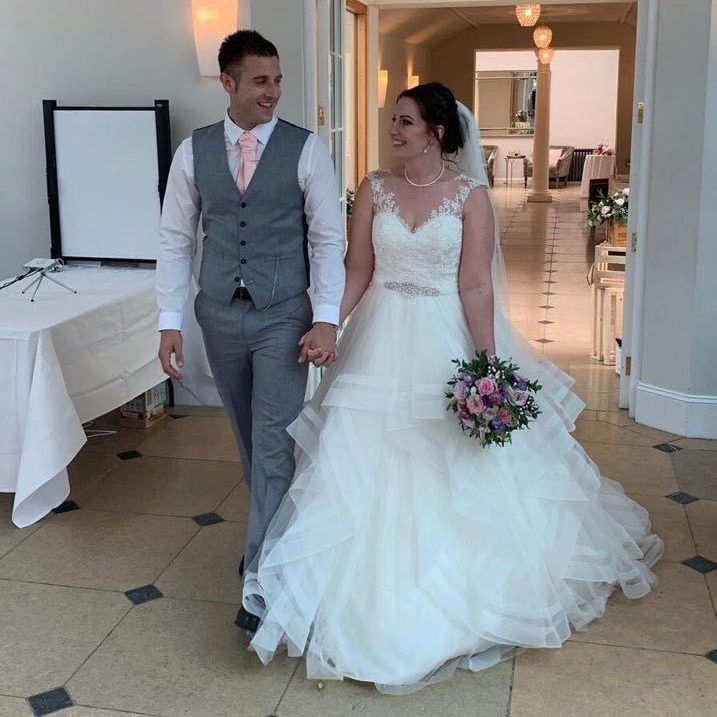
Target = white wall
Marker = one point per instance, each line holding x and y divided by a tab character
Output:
401	59
583	97
107	52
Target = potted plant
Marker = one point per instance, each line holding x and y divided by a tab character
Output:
611	210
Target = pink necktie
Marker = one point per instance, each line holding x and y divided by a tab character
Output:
247	144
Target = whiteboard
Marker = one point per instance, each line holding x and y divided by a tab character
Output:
107	179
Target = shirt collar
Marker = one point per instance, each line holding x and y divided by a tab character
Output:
262	131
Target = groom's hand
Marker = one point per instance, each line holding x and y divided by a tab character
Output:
318	345
171	343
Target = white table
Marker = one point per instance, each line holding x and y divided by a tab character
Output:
66	359
597	166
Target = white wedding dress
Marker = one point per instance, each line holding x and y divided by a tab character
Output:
403	550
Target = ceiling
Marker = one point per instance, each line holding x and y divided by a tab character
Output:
433	26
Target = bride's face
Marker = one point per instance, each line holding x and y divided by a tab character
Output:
410	134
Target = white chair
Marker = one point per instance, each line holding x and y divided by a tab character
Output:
608	288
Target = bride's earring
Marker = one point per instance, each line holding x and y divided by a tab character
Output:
428	146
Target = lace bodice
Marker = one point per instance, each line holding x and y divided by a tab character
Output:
422	259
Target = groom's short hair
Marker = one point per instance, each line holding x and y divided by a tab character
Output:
241	44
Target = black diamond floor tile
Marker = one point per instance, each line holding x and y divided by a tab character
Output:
712	656
682	498
207	519
700	564
146	593
129	455
667	448
66	507
47	703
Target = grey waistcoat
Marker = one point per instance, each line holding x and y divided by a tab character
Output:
260	236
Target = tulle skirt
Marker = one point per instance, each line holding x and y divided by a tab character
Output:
403	550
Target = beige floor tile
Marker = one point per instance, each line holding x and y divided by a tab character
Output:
98	549
207	568
669	521
483	694
176	658
601	681
87	468
236	506
47	632
702	517
712	586
676	617
94	712
211	411
204	438
655	435
696	472
14	707
696	444
599	432
164	486
10	534
638	469
619	417
126	439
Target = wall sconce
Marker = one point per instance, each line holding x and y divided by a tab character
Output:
545	55
382	87
413	80
212	21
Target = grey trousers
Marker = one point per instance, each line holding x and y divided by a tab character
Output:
254	358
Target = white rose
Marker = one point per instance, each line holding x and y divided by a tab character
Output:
605	211
619	201
626	191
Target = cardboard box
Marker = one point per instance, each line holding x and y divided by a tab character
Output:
146	409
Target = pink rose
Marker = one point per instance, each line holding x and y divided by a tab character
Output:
486	386
505	416
474	405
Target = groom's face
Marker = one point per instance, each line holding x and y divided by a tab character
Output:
255	90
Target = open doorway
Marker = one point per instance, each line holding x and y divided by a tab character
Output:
551	247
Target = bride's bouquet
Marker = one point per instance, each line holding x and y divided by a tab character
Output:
491	399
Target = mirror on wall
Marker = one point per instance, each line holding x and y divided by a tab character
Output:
505	102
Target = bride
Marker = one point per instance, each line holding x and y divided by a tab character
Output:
403	550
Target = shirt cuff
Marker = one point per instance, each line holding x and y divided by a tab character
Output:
327	313
170	320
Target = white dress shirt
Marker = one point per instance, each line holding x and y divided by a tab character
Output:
182	207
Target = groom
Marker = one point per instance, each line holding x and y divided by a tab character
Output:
270	213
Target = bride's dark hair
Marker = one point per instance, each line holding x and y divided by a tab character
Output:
437	105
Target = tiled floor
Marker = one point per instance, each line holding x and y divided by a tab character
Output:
123	604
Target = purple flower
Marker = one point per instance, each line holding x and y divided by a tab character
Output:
496	399
460	391
497	425
520	383
520	398
489	414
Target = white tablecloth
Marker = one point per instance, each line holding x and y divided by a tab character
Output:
597	166
66	359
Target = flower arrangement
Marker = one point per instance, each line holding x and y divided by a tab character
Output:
350	196
603	148
610	208
491	399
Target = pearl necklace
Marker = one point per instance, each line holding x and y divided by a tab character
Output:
428	184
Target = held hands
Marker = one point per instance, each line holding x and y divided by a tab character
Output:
318	345
170	344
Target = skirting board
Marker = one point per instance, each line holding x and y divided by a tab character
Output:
676	412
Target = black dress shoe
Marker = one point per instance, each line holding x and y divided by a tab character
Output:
246	621
241	567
